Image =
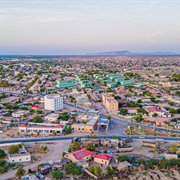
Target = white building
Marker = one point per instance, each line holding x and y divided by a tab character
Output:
42	128
19	113
53	102
51	117
19	157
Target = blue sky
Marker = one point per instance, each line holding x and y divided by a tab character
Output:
84	26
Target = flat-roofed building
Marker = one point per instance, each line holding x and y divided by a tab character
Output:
110	103
52	117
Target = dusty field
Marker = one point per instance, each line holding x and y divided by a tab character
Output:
151	132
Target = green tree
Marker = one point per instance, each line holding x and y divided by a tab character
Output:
150	163
37	119
54	133
75	145
140	161
108	117
92	169
142	111
139	101
90	147
109	171
63	154
13	149
2	153
155	115
57	174
163	163
20	172
172	110
123	158
173	148
18	134
123	112
98	171
72	169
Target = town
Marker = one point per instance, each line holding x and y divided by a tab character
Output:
82	117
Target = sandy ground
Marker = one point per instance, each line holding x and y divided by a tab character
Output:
54	154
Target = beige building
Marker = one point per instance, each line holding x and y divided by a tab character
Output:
110	103
51	117
102	159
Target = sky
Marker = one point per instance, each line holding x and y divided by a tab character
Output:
71	27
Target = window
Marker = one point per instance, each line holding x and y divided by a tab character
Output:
19	159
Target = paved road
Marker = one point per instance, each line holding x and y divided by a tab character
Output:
24	140
97	85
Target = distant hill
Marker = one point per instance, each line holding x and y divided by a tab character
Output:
128	53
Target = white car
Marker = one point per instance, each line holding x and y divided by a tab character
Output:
141	137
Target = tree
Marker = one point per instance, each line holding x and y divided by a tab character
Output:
173	148
54	133
90	147
148	94
72	168
18	134
172	110
57	174
155	149
63	154
98	171
139	101
140	161
13	149
156	74
108	117
75	145
150	163
155	115
163	163
171	103
2	153
123	158
92	169
142	111
109	171
38	133
123	112
37	119
20	172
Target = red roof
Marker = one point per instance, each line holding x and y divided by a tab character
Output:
23	125
36	106
59	126
81	153
103	156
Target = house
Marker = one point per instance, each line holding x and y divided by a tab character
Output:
102	158
156	120
52	117
22	156
151	110
80	154
123	165
19	113
132	110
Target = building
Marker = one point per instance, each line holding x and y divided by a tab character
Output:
82	98
65	83
52	117
102	158
19	113
103	124
80	154
53	102
128	82
110	103
42	128
89	127
22	156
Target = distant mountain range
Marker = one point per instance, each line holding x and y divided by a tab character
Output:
128	53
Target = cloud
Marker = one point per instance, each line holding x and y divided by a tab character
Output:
153	37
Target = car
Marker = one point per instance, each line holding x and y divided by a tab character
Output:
141	137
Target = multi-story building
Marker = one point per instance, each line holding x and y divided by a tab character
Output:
53	102
110	103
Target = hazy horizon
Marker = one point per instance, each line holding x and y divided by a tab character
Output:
81	27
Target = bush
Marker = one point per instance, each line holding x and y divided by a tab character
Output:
13	149
72	169
2	153
57	174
